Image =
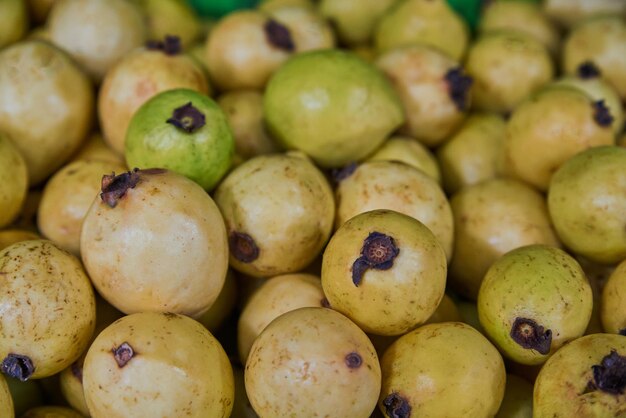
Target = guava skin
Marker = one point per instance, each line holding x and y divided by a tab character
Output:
13	181
204	155
613	302
331	105
6	400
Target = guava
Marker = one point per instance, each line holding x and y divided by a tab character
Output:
409	151
172	17
312	361
354	20
587	204
157	364
51	412
13	21
13	181
308	29
533	300
95	148
184	131
6	400
220	310
570	13
613	302
331	105
446	311
518	398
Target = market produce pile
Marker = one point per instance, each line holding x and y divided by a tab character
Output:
312	208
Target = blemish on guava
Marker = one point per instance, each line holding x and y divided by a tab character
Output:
622	332
378	252
353	360
610	375
243	247
339	174
188	118
170	45
18	366
396	406
325	303
602	114
77	371
458	87
588	70
123	354
528	334
279	36
114	187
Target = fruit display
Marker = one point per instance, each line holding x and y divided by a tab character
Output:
312	208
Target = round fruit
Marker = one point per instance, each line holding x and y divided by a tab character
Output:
13	181
507	66
96	149
433	88
587	203
532	301
13	21
51	412
490	219
278	295
613	303
6	400
409	151
447	369
330	369
585	379
139	76
332	105
184	131
399	187
281	231
66	199
354	20
549	128
169	17
569	13
447	311
46	105
153	240
223	305
307	28
518	398
96	33
385	271
157	364
11	236
48	309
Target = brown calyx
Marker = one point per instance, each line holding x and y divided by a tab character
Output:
243	247
528	334
610	375
378	252
602	114
170	45
114	187
279	36
588	70
458	87
353	360
339	174
77	371
187	118
123	354
18	366
396	406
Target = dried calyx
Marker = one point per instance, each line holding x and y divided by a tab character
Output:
396	406
279	36
610	375
18	366
340	174
123	354
378	252
187	118
588	70
353	360
114	187
243	247
77	371
458	87
170	45
528	334
601	114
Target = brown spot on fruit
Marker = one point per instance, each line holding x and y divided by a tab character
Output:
458	87
187	118
114	187
602	114
528	334
396	406
243	247
610	375
170	45
279	36
378	252
77	371
123	354
18	366
353	360
339	174
588	70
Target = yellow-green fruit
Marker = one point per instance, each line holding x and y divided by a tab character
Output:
473	153
518	398
532	301
157	364
26	220
223	305
51	412
96	33
523	16
568	13
613	302
278	295
244	110
469	315
278	232
584	379
306	26
269	5
408	151
13	21
13	181
26	395
138	77
154	240
490	219
331	105
433	90
66	199
171	17
601	40
6	400
438	370
507	66
354	20
48	309
549	128
428	22
46	105
95	148
398	187
384	270
445	312
587	203
312	361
